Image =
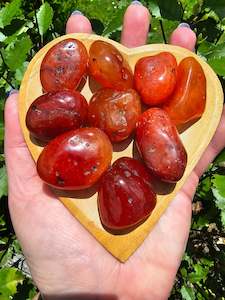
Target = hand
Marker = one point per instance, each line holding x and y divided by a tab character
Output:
67	262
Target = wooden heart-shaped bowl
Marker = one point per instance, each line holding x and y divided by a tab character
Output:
83	205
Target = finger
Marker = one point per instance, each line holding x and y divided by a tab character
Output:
77	22
136	24
20	165
216	145
184	37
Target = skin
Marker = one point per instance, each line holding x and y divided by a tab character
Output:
183	37
66	262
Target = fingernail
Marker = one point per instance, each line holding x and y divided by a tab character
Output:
184	25
11	92
76	12
136	3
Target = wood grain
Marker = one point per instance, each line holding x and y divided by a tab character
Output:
83	205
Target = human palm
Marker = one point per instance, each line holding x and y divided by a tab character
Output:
66	262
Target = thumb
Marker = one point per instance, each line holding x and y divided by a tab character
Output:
13	134
19	163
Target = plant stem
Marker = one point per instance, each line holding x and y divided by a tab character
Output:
163	32
9	83
182	8
2	57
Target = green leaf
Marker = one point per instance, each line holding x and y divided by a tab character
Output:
2	37
101	10
3	182
217	51
218	183
200	273
215	56
220	158
155	35
187	293
171	10
210	51
9	279
204	188
10	12
16	53
191	7
218	65
183	272
12	38
116	22
207	262
218	6
20	72
188	259
219	193
154	8
44	17
200	222
16	247
206	48
7	257
2	241
221	39
13	249
210	15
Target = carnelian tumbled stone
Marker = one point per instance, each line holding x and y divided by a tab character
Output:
126	196
63	66
155	77
160	146
188	101
52	114
108	67
115	112
76	159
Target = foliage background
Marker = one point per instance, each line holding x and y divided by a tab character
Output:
25	26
